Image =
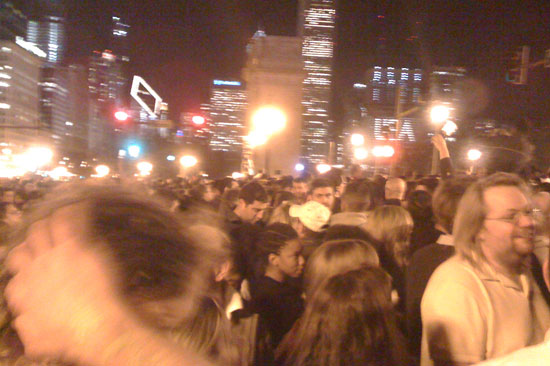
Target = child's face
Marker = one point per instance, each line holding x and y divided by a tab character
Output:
290	260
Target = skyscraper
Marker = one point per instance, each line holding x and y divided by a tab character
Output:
317	21
48	34
228	104
19	94
381	89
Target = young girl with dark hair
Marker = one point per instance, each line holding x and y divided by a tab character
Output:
348	321
275	297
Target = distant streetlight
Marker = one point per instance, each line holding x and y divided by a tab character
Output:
449	128
134	151
383	151
188	161
439	114
357	139
268	120
474	154
299	167
144	168
361	153
256	138
323	168
102	170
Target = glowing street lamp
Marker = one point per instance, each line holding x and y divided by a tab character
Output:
188	161
144	168
357	139
102	170
384	151
361	153
323	168
268	120
255	138
439	114
474	155
449	128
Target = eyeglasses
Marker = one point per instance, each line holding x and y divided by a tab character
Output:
513	217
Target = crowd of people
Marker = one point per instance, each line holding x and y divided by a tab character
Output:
338	269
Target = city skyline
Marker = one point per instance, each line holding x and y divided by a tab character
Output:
182	46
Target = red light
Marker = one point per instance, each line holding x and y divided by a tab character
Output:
121	116
198	120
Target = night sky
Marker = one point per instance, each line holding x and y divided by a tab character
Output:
179	46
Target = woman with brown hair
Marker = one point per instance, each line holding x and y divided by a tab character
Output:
348	321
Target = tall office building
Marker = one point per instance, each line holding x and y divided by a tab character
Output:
274	76
19	93
119	39
13	22
317	21
378	100
228	105
48	34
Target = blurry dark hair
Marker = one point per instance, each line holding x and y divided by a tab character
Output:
446	198
253	191
347	321
419	205
320	183
357	196
335	232
270	241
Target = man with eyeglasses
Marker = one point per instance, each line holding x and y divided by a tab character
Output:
483	302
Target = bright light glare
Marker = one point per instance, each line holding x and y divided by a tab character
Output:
121	115
474	154
6	151
361	153
102	170
60	172
449	128
357	139
188	161
384	151
134	151
144	168
198	120
299	167
170	158
439	113
323	168
237	175
255	138
38	156
268	120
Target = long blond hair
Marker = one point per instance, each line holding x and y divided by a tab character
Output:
335	257
472	212
392	227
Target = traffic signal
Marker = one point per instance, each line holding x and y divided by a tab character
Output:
519	66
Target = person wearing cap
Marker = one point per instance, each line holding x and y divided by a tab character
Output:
312	220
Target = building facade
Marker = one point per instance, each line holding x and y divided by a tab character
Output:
274	76
48	34
316	29
19	94
228	105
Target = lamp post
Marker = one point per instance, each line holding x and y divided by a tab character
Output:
473	155
266	122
